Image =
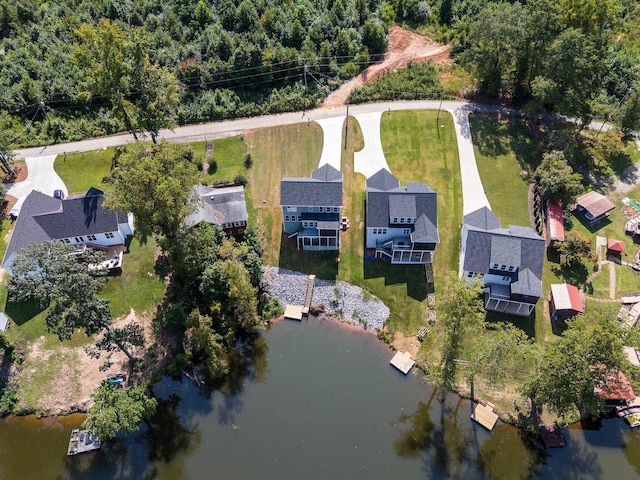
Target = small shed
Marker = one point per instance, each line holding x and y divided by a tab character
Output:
565	301
615	247
616	387
555	222
594	206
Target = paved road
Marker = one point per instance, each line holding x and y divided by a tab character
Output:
228	128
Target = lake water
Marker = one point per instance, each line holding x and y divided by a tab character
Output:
314	400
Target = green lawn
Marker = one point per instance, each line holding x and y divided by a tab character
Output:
81	171
503	150
141	285
228	158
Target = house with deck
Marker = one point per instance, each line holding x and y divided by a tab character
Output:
508	261
224	206
79	220
311	209
402	221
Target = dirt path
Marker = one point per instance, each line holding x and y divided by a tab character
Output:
404	47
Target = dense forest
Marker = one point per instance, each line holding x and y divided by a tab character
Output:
77	68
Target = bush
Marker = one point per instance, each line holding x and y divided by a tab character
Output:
248	161
240	179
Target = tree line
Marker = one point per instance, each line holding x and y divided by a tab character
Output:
78	68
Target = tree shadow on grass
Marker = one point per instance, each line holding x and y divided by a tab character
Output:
322	264
526	324
412	275
575	274
22	312
495	136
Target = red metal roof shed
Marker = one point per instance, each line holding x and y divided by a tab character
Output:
615	245
556	221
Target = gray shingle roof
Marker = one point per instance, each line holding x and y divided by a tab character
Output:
382	180
482	218
386	199
44	218
218	205
516	245
324	188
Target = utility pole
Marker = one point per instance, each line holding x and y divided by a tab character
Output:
304	70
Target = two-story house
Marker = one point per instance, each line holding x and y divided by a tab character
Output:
311	209
402	221
507	260
224	206
80	220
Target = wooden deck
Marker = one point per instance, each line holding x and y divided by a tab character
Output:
311	281
484	415
402	361
82	441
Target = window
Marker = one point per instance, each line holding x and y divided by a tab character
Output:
511	268
379	231
79	239
287	218
108	235
321	209
66	240
298	218
335	209
91	238
394	220
237	224
470	274
406	231
506	279
503	267
495	265
310	209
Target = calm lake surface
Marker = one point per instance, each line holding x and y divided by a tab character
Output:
316	401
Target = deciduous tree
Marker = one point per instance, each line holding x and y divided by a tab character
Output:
117	410
154	183
556	179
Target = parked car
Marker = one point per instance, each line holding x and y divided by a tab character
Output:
59	194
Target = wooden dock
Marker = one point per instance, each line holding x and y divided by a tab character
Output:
311	281
402	361
82	441
293	312
484	415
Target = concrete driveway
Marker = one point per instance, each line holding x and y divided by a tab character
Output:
40	176
371	158
473	196
331	141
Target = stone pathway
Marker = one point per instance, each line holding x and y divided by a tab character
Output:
601	242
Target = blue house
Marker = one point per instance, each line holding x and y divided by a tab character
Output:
311	209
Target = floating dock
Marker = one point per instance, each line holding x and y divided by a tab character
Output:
82	441
402	361
484	415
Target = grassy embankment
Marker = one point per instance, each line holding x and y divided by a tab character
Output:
415	151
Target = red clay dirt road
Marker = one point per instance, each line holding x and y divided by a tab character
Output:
404	47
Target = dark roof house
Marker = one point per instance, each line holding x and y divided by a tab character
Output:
78	220
508	260
311	208
402	221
